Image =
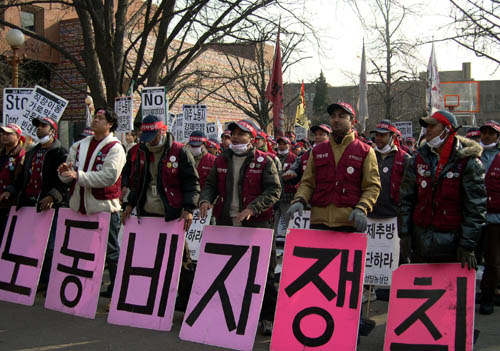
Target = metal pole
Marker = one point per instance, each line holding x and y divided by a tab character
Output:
15	68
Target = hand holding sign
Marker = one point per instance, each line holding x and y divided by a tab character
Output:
204	207
188	219
245	214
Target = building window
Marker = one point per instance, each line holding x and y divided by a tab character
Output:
32	18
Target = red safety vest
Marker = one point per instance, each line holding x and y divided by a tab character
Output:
492	181
288	162
204	167
439	205
107	193
170	175
8	171
252	185
133	155
304	158
397	174
339	184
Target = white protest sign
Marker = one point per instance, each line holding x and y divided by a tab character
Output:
300	133
15	100
42	103
195	118
406	128
296	222
193	235
220	130
171	122
124	108
382	253
179	129
154	102
211	130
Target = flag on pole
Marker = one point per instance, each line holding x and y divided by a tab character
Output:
300	115
433	95
363	92
274	91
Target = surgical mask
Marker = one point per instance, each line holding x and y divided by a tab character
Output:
282	153
196	151
385	149
239	149
489	146
437	141
45	139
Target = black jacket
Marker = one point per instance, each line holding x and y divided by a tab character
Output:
189	179
51	184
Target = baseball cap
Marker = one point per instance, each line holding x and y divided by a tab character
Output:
491	124
284	139
46	121
324	127
385	126
442	116
12	129
197	138
473	132
151	126
246	126
342	105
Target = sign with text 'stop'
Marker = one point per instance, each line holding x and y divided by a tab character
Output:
78	262
228	289
154	102
431	307
15	100
42	103
148	274
319	297
22	252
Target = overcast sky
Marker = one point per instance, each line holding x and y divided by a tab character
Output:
343	36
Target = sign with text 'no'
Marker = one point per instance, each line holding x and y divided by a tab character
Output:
22	252
148	274
154	102
319	298
431	308
228	289
78	262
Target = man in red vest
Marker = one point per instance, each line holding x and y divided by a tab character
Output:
443	195
288	186
93	170
392	161
204	161
490	138
247	183
341	182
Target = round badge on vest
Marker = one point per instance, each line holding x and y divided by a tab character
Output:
99	167
260	159
172	159
175	165
385	169
169	164
455	174
350	170
449	175
424	184
252	165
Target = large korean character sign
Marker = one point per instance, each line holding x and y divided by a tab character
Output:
319	298
431	307
195	118
124	109
78	262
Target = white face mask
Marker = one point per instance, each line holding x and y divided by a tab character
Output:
239	149
489	146
45	139
385	149
282	153
196	150
437	141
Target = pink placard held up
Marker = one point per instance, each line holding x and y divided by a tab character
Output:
431	307
319	298
148	274
78	263
22	252
232	268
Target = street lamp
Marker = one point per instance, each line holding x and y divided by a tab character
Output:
15	38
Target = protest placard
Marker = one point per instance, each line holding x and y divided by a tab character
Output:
211	131
15	100
431	307
195	118
179	129
148	274
300	133
171	122
154	102
124	109
42	103
194	234
22	252
319	296
233	265
382	253
78	262
296	222
406	128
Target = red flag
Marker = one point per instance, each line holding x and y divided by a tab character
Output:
274	91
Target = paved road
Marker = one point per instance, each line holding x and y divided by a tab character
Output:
34	328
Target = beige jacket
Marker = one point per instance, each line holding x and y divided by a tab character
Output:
331	215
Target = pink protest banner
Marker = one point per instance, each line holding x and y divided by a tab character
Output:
148	274
78	263
228	289
319	299
431	307
22	252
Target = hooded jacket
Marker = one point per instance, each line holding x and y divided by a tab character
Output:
428	241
